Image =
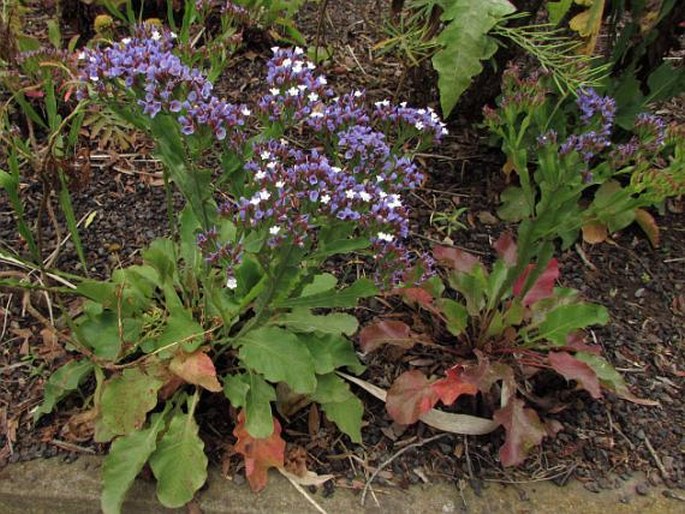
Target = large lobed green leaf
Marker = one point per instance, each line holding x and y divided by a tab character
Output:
280	356
179	463
125	460
126	400
465	43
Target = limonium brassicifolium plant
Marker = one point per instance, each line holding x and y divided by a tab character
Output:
234	303
565	152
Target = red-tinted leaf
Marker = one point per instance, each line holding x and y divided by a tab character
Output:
453	386
260	454
385	332
576	342
459	260
524	430
417	295
505	247
196	368
410	396
572	369
543	286
648	225
484	376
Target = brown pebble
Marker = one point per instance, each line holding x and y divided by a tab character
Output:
642	489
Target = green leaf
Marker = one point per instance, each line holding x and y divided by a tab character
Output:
54	34
319	284
514	205
331	352
563	320
465	43
251	391
161	256
302	320
127	399
180	328
63	381
101	333
280	356
258	416
179	462
557	10
347	297
610	378
340	405
456	314
665	82
126	458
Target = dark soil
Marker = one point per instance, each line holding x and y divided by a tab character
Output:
643	287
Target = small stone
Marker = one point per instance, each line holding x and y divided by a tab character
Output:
593	487
642	489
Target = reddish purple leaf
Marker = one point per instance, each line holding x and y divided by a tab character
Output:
505	247
543	286
459	260
385	332
484	376
410	396
524	430
453	386
575	342
417	295
573	369
196	368
259	454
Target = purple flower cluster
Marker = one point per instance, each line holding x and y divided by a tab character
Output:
145	64
595	110
294	91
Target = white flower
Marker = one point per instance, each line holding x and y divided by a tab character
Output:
379	179
383	236
280	184
316	114
444	131
287	63
298	50
325	199
310	66
255	200
421	111
293	91
403	104
313	97
335	169
271	165
156	36
127	40
275	49
81	56
357	94
245	111
264	194
350	194
173	35
365	196
274	230
297	66
265	155
322	80
382	194
94	78
275	91
260	175
419	125
394	201
231	283
382	103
